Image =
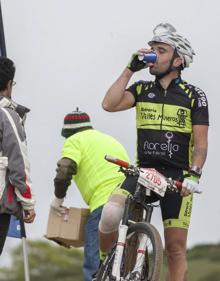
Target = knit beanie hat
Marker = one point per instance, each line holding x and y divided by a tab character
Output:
74	122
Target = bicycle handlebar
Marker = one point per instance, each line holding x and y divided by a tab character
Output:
118	162
173	183
178	184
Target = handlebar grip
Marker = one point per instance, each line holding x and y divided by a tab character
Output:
118	162
178	185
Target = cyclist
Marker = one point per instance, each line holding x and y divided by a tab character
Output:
83	161
172	128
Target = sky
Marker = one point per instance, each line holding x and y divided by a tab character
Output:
68	53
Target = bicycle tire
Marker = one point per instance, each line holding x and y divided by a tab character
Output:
153	257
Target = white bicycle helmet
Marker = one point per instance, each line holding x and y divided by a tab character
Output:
166	33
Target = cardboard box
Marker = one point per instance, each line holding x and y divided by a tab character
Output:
68	229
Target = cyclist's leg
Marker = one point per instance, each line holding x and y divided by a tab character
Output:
113	212
176	212
175	246
111	215
91	247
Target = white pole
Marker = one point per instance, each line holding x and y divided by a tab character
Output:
25	255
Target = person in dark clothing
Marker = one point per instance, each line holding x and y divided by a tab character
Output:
16	197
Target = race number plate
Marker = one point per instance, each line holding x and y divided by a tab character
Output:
153	180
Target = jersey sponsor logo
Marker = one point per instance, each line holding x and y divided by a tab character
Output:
202	101
161	149
182	114
151	95
148	114
177	119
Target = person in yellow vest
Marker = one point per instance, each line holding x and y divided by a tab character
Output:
83	161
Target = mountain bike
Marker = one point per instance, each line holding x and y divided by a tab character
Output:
138	251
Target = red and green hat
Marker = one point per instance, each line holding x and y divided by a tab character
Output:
74	121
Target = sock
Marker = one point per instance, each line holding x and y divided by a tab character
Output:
102	255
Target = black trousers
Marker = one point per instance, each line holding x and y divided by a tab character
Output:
4	225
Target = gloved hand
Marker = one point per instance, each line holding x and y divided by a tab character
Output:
56	204
191	183
135	64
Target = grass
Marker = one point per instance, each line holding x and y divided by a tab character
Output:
201	269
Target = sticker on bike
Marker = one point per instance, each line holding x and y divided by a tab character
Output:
153	180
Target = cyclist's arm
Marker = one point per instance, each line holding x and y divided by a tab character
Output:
200	143
117	98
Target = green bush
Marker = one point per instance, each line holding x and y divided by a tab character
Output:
47	262
214	276
209	251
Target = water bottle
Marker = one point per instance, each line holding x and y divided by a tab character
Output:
148	57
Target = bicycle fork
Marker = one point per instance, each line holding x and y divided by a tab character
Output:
122	234
140	253
142	247
141	250
119	251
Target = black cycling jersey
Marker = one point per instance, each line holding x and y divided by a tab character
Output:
164	120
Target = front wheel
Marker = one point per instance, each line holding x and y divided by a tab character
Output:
134	266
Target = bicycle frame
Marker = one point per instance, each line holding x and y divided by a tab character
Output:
123	228
148	181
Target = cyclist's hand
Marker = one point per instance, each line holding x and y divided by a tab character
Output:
190	185
56	204
135	64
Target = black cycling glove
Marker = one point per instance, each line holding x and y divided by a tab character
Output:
135	64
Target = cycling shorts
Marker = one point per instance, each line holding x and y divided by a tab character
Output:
175	209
